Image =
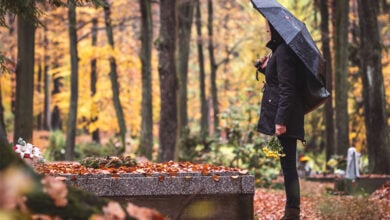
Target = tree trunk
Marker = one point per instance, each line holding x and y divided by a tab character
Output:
185	17
3	131
94	118
168	81
24	80
204	124
114	78
213	69
72	118
146	142
56	120
11	22
329	122
341	76
384	6
374	101
47	79
39	121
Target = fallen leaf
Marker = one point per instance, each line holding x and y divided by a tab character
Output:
114	211
56	189
115	175
243	172
61	178
234	177
143	213
161	178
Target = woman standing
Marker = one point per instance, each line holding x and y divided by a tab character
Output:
282	111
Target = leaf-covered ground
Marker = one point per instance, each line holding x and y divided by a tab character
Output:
316	203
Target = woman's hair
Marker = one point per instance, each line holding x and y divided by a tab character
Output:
275	36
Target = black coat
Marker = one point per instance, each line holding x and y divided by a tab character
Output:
282	101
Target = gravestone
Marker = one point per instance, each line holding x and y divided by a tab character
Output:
219	195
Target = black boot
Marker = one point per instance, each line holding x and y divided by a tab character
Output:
291	214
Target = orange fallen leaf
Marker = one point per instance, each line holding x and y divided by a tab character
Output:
243	172
161	178
115	175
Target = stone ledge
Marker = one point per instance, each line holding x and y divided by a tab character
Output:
224	195
162	184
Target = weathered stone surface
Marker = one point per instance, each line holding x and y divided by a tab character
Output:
223	195
160	184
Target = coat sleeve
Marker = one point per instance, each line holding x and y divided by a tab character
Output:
287	63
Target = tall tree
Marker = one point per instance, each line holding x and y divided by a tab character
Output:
213	68
39	119
384	6
146	141
47	80
55	116
374	101
74	83
185	17
3	131
23	126
325	38
168	80
341	76
27	10
204	125
57	82
114	77
94	118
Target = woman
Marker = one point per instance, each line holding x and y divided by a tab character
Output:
282	111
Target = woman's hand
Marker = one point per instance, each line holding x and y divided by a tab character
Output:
263	61
280	129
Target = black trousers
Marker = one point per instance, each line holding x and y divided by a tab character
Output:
290	174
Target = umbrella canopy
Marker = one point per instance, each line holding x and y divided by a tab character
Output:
295	34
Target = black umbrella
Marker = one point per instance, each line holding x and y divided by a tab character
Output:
298	38
294	33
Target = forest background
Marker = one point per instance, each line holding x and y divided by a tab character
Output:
174	80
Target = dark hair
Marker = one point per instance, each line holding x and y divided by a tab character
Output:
275	36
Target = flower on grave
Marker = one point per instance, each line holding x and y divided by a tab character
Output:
273	148
27	150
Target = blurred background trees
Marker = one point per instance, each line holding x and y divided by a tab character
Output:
177	81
